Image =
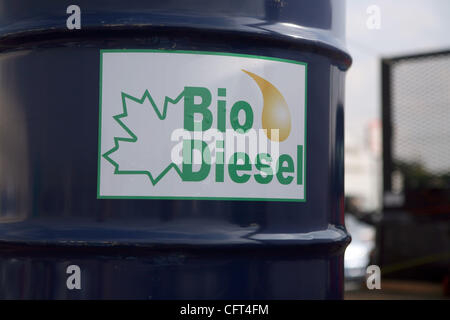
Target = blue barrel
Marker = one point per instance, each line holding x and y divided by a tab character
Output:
74	186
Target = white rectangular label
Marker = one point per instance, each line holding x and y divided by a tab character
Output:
201	125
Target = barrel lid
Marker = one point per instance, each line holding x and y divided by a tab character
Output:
321	22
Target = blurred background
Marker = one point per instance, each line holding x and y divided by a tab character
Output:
397	148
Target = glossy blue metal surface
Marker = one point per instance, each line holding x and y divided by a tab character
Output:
159	249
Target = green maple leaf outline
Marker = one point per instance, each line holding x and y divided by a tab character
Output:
133	138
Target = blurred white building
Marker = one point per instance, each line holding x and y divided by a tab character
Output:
363	166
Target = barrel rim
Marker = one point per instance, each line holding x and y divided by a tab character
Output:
41	34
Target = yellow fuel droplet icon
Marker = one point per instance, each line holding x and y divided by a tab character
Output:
275	114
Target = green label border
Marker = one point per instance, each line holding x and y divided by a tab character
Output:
200	53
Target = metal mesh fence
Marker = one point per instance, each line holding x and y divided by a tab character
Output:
420	122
